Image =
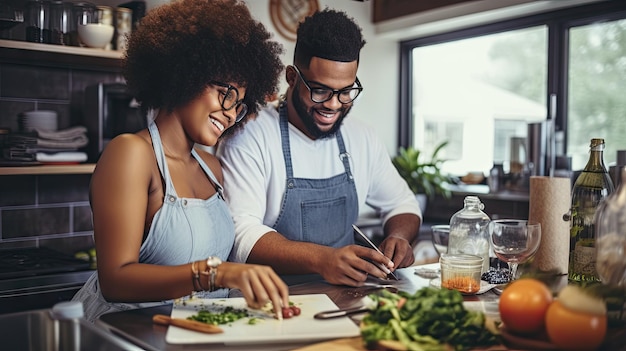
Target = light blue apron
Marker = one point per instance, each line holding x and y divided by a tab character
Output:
320	211
183	230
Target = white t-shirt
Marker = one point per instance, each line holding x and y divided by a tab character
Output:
255	175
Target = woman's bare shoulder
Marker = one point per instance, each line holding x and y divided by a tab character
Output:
132	151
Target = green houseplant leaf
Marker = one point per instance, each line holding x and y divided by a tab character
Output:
423	176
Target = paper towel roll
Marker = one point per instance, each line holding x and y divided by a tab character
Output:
549	200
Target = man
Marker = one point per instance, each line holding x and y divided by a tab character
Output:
296	176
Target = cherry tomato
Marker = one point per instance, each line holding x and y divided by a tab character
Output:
296	310
287	312
573	330
523	305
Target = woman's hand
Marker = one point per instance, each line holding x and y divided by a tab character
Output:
259	284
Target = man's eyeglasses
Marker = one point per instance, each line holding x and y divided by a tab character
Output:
230	100
323	94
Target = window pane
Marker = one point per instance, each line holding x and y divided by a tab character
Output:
597	86
479	94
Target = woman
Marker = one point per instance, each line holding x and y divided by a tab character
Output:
161	225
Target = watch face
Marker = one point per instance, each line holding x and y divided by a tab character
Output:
213	261
287	14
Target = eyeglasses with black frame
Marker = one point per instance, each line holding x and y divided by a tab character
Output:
323	94
230	100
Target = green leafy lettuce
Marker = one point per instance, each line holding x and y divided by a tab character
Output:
429	320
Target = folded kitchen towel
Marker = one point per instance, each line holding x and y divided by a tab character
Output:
62	157
67	139
68	134
74	143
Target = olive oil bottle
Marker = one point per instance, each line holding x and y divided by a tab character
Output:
591	187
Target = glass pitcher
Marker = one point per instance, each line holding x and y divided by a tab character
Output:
610	235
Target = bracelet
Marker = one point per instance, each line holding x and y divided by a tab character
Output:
211	271
195	278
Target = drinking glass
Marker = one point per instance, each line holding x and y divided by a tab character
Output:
514	241
60	22
441	233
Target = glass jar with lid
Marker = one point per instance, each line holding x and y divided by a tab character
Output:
461	272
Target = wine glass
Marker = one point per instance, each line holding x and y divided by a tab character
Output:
441	233
514	241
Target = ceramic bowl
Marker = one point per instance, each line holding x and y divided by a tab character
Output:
95	35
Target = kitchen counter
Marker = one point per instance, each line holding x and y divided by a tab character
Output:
137	326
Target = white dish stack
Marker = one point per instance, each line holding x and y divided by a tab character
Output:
30	121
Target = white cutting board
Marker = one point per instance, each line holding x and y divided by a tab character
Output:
267	330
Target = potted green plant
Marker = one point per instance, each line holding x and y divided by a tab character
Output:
423	176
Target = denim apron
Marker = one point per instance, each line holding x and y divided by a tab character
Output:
183	230
320	211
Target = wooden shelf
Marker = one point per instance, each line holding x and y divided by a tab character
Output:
22	52
86	168
63	49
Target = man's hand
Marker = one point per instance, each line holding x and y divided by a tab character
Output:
400	230
400	251
351	265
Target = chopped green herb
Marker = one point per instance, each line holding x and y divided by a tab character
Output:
228	315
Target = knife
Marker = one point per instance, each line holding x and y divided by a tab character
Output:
340	312
371	244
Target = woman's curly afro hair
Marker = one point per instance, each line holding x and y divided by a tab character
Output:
179	48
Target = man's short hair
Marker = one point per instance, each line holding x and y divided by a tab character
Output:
330	35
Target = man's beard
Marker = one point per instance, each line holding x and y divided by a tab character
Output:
309	121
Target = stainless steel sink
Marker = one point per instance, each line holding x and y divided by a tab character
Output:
37	330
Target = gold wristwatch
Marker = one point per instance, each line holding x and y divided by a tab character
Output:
212	263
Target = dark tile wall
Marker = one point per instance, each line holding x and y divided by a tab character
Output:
46	210
27	87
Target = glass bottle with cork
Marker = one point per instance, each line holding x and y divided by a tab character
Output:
591	187
469	233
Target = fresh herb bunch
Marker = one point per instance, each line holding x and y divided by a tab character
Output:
426	320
